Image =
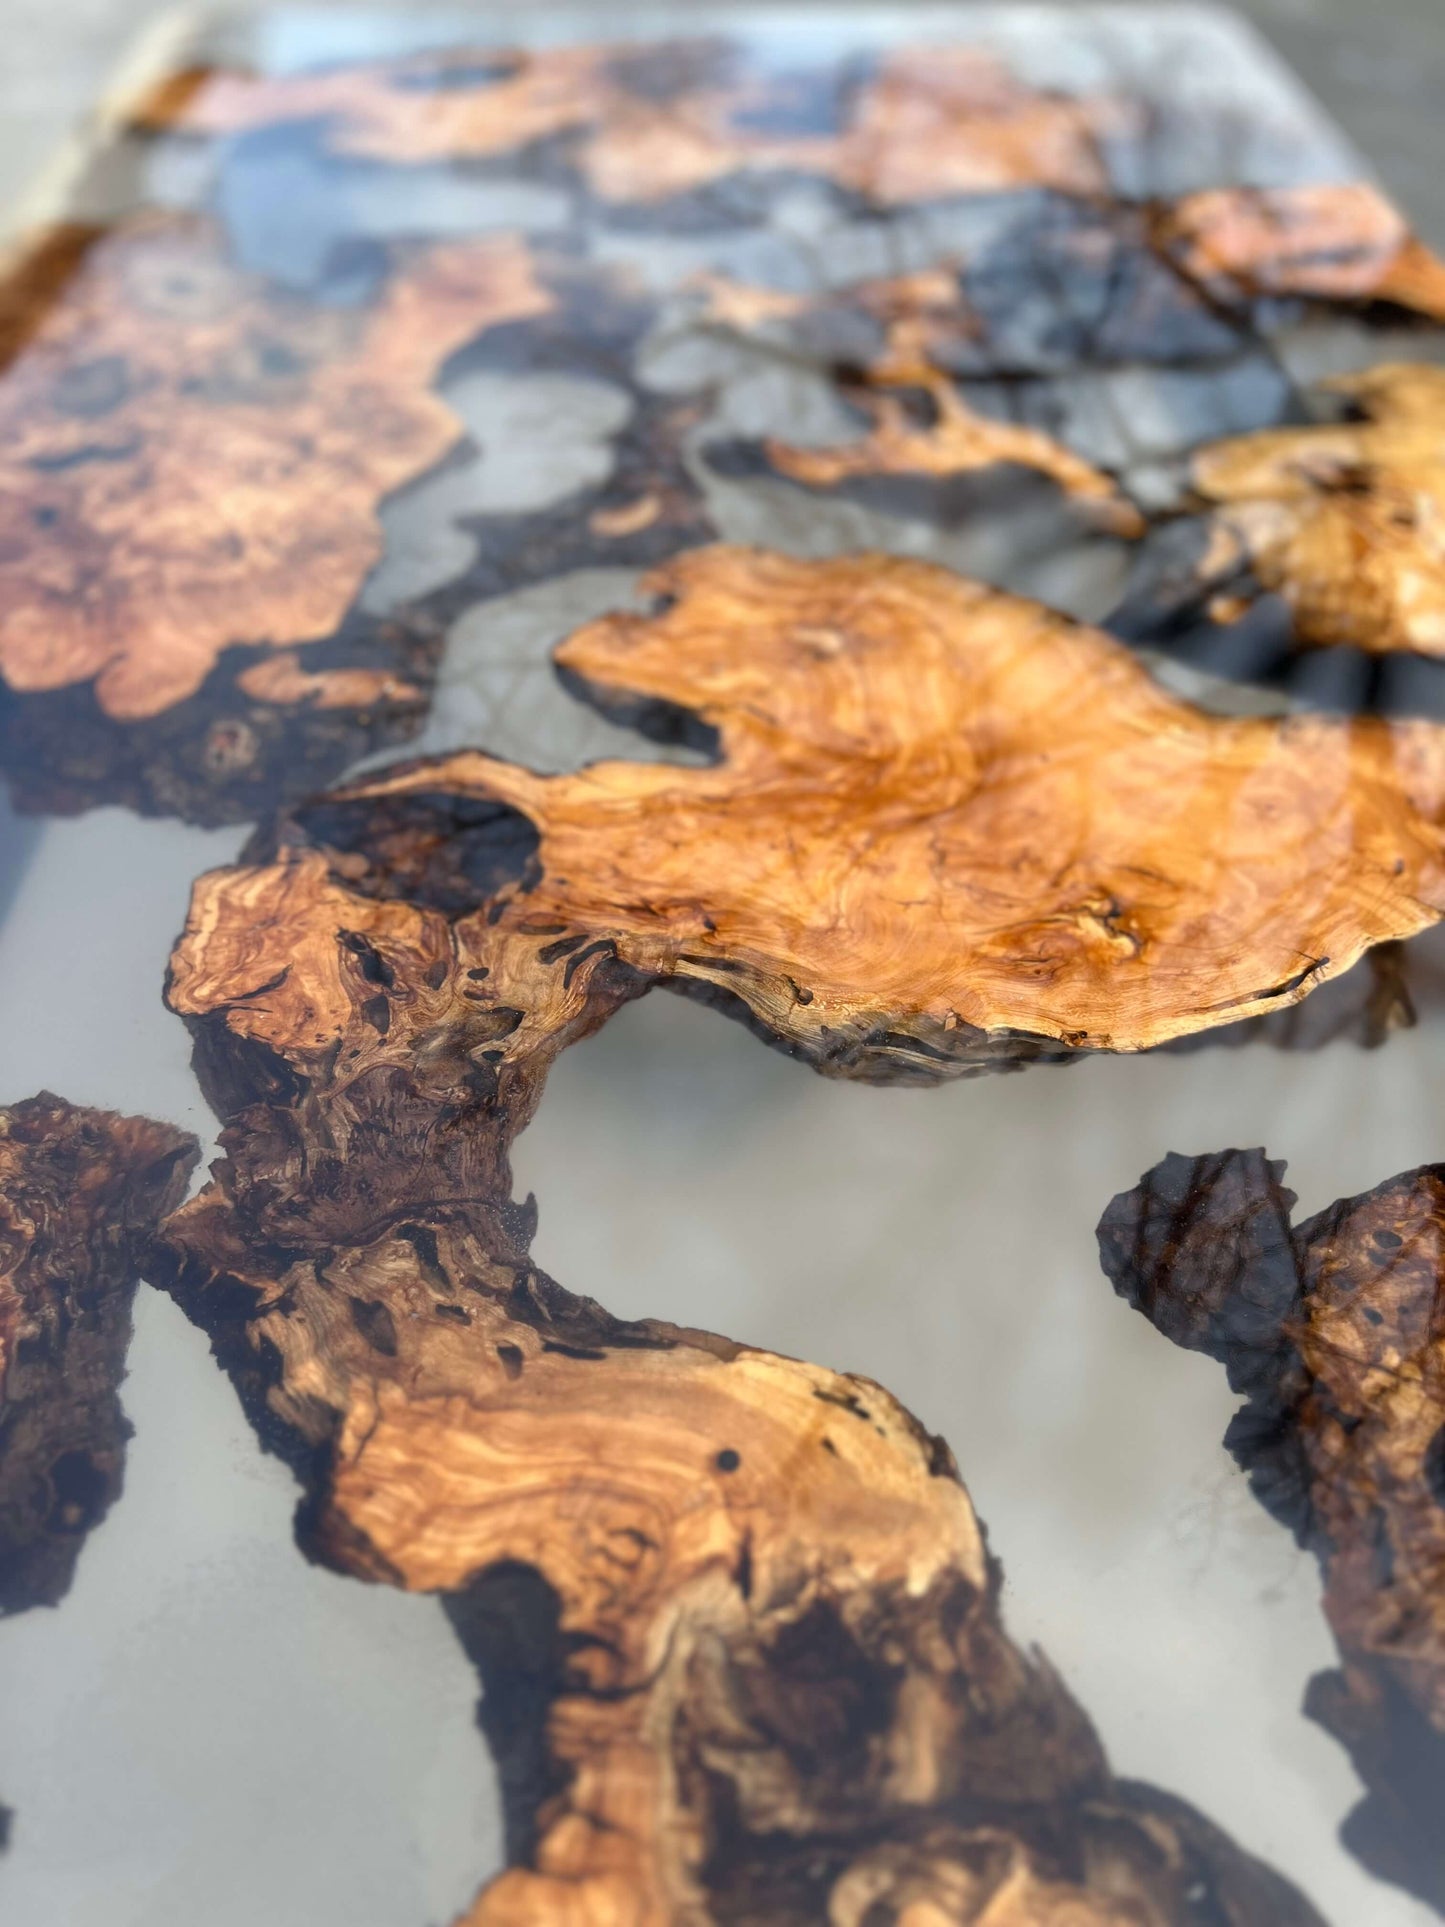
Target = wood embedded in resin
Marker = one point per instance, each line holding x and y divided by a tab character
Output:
1334	1330
641	125
81	1192
736	1623
948	827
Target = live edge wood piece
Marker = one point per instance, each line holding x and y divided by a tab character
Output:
1337	243
193	463
1335	1332
735	1617
947	827
734	1613
1341	519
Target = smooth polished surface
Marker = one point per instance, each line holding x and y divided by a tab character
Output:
212	1729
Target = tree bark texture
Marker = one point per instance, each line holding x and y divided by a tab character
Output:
1335	1331
81	1193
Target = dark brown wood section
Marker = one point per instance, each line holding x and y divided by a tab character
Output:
1335	1331
81	1194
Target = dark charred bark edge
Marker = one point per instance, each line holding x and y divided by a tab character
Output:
74	1254
75	1262
1204	1248
222	756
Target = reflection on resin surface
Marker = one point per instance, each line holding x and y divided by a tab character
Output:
797	412
978	301
733	1614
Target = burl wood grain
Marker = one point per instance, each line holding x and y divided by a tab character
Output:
193	458
947	826
641	125
1335	1331
734	1614
81	1193
1342	520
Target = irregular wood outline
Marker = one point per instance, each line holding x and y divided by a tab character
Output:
194	460
1331	242
734	1615
956	441
648	123
81	1194
1345	520
902	750
1335	1331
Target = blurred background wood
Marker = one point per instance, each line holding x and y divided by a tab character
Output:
1380	70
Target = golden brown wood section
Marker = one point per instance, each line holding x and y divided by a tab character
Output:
735	1615
1342	520
1335	1331
1337	243
949	827
194	459
81	1193
955	441
641	125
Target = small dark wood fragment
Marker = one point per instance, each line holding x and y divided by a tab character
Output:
1334	1331
81	1193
